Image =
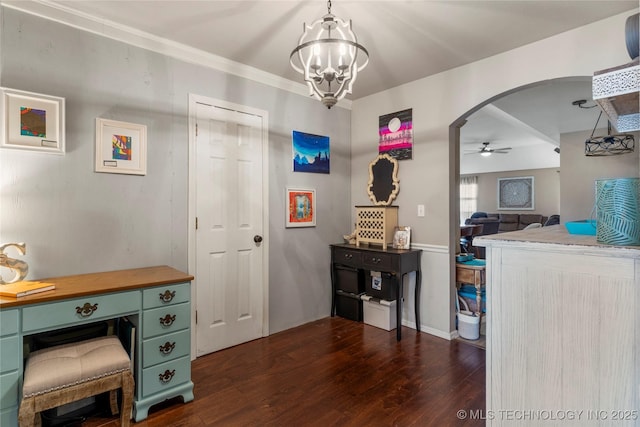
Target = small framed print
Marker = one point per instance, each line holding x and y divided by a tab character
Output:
402	238
121	147
300	208
32	121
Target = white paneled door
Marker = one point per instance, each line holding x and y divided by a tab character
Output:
229	273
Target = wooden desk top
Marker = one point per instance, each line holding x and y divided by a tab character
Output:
101	283
375	248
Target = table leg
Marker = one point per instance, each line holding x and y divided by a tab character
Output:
478	299
416	301
333	291
398	307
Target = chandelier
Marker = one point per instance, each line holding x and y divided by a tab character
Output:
609	144
329	57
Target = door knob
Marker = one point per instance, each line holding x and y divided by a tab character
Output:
257	238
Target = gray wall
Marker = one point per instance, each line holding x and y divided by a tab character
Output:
546	190
440	100
77	221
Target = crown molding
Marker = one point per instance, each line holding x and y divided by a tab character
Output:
115	31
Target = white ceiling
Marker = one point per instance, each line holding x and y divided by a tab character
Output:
406	40
529	121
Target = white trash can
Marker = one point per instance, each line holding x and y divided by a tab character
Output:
468	325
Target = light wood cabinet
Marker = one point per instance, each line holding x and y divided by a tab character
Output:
376	224
563	329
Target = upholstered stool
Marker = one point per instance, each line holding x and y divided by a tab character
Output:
66	373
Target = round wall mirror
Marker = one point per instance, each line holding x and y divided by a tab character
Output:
383	184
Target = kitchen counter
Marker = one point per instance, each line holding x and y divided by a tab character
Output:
562	329
553	235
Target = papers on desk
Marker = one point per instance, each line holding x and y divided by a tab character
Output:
24	288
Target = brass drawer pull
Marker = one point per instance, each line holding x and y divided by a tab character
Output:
376	260
167	376
167	347
87	309
348	256
167	296
167	320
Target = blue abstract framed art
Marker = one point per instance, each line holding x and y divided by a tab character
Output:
310	153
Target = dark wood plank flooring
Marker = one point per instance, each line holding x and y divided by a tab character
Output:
331	372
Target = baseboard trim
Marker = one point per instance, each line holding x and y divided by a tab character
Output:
431	331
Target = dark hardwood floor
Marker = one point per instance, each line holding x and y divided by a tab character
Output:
331	372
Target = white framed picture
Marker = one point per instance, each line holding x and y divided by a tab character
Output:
516	193
32	121
300	208
121	147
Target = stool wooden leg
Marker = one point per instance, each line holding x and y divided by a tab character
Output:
113	402
127	398
27	413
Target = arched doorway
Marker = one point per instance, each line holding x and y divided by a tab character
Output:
561	99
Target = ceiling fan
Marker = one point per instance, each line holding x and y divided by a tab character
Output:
485	150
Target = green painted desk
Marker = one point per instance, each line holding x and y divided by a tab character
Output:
157	300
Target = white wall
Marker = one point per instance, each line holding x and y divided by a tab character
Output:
77	221
439	100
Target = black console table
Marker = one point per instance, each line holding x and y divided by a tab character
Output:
350	265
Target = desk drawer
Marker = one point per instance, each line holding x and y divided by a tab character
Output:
8	322
166	347
165	376
162	296
165	320
378	261
9	353
9	416
9	389
79	310
347	257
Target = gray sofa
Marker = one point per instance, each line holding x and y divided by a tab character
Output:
499	223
